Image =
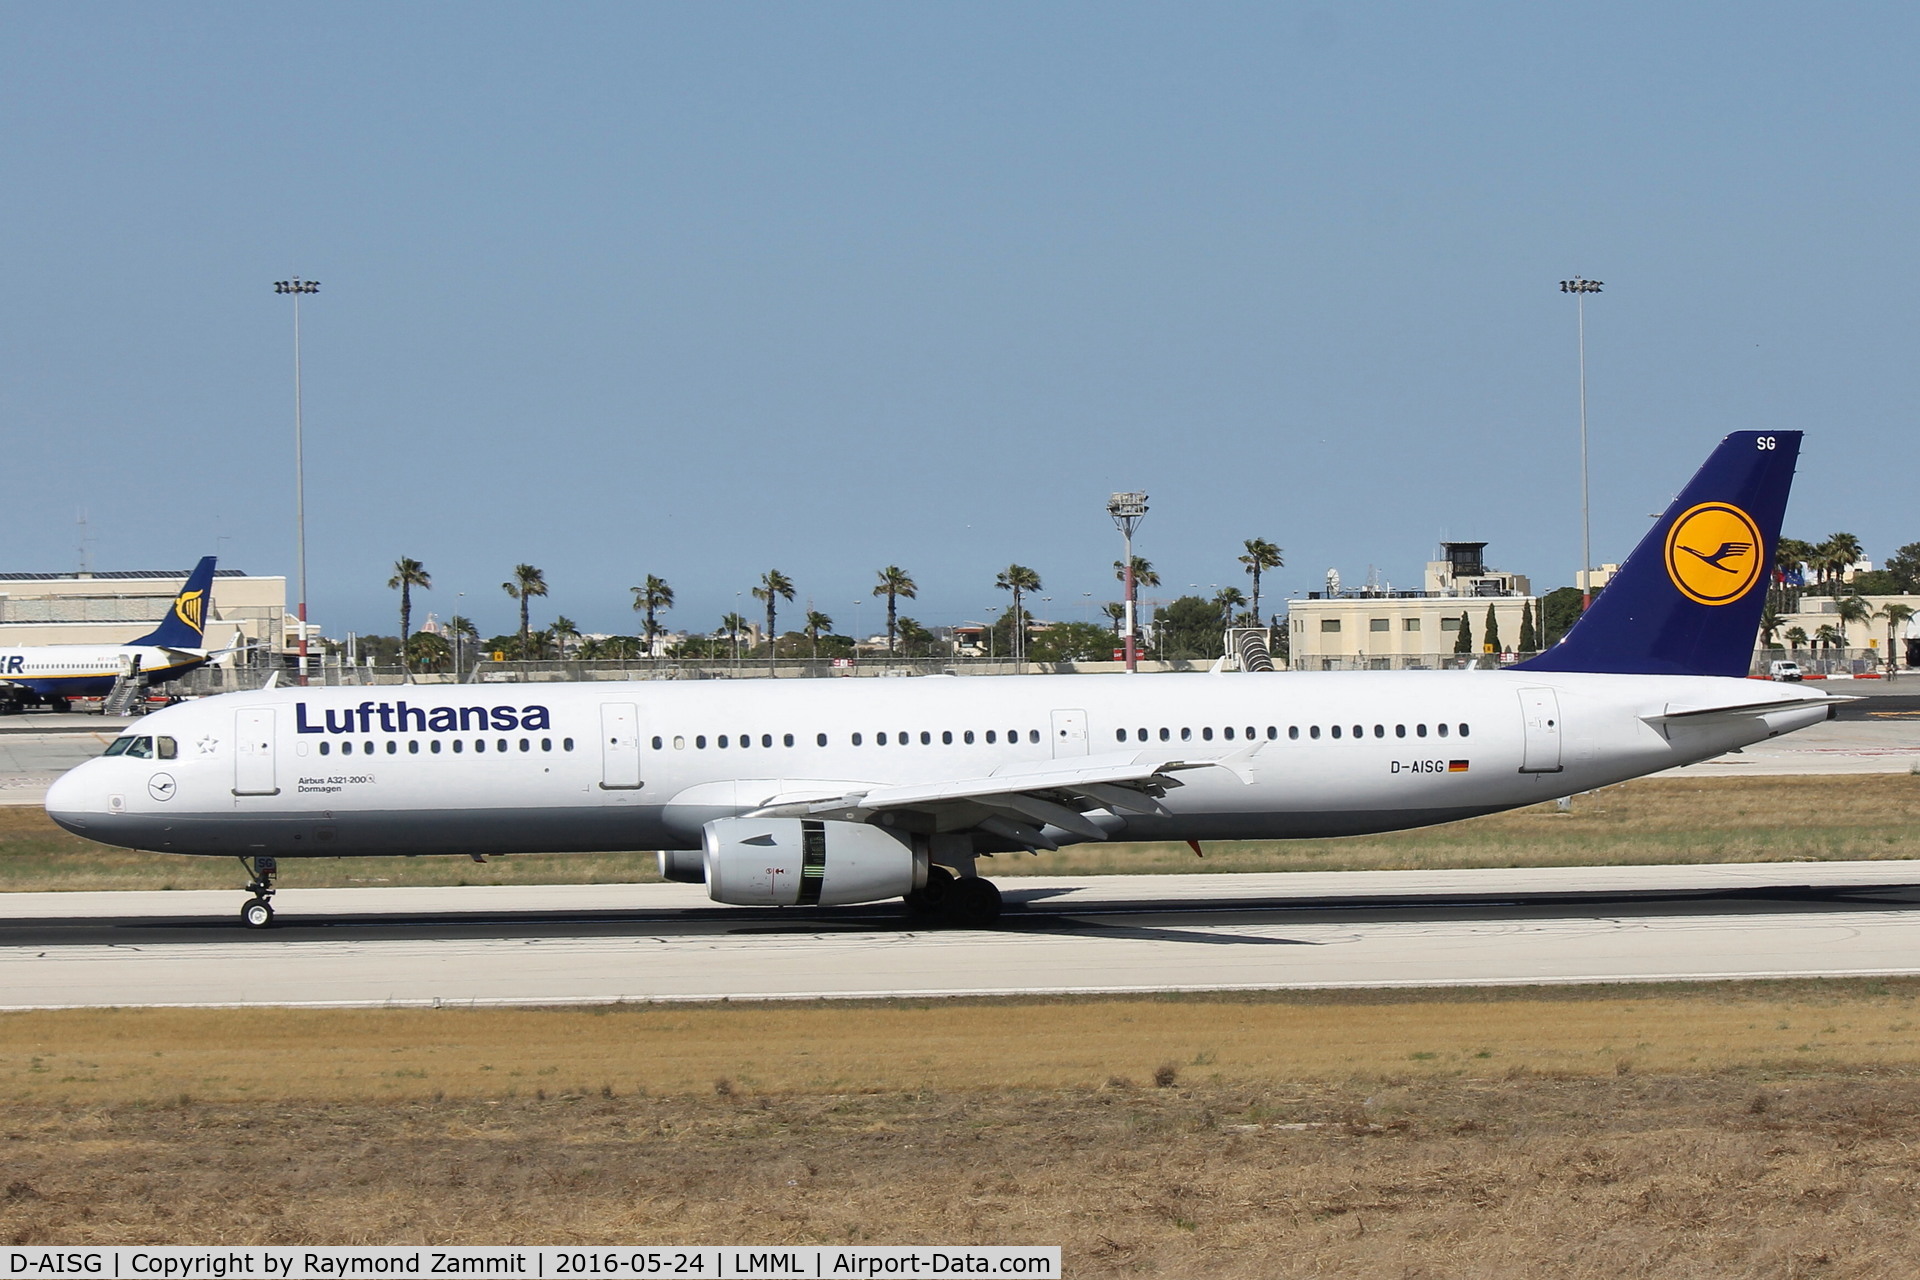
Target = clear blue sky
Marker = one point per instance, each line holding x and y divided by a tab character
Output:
700	290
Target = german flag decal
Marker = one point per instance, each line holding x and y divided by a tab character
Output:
1456	766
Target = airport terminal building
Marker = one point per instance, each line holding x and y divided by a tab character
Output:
1385	630
111	608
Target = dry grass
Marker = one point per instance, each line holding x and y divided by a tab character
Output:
1646	822
1295	1137
1238	1040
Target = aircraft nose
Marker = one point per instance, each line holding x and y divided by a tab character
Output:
69	799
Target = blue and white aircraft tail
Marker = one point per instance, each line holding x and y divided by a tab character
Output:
1687	601
185	625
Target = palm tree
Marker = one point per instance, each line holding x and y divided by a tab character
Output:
1827	638
562	630
894	583
1261	555
1895	613
1227	599
732	625
408	573
426	651
1852	609
1771	620
1836	554
774	587
1116	611
1143	572
1019	579
648	599
527	583
816	623
1795	637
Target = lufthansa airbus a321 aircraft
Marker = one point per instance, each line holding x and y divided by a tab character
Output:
823	792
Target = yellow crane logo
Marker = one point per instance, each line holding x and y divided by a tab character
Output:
1715	553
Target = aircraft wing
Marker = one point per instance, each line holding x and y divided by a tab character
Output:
1015	802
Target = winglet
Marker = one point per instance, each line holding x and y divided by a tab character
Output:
1688	600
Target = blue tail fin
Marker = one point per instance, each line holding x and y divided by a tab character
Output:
1688	600
186	622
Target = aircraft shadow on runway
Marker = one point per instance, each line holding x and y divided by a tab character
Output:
1029	912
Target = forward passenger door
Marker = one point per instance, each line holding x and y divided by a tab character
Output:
619	746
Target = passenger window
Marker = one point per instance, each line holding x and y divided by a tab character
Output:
946	737
766	739
700	742
1293	731
1186	734
1119	735
1207	733
880	739
546	744
1165	733
393	747
459	745
1399	731
902	737
1379	731
657	744
968	736
413	746
1313	731
1336	731
820	739
480	745
1139	735
721	742
746	739
679	743
501	745
1359	731
926	739
433	746
1419	731
1013	735
325	747
566	744
991	737
1463	731
526	744
167	747
1442	730
1228	731
1273	731
1033	735
346	748
788	739
856	739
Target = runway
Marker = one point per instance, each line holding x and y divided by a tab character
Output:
1114	934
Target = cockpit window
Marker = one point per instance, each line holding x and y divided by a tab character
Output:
167	748
138	748
118	747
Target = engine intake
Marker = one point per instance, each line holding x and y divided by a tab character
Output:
801	862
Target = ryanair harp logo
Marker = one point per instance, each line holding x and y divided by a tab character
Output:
1715	553
190	608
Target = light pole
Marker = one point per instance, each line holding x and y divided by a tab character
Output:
296	287
1580	287
1128	510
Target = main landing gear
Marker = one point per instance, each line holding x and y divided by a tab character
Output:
955	902
257	912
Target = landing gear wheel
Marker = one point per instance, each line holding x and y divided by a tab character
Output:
971	903
929	898
257	913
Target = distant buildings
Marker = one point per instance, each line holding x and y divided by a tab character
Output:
1384	629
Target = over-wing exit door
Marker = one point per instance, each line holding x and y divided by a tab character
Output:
619	746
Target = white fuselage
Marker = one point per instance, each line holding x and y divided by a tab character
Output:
477	769
87	670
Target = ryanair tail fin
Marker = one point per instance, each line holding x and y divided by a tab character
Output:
186	623
1688	600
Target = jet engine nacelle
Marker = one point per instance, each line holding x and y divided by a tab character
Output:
802	862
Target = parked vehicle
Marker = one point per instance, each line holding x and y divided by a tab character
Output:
1784	670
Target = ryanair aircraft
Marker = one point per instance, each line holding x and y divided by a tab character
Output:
56	672
821	792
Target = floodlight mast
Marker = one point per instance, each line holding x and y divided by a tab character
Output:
1128	510
296	287
1580	287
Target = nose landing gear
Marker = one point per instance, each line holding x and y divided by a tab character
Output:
257	911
